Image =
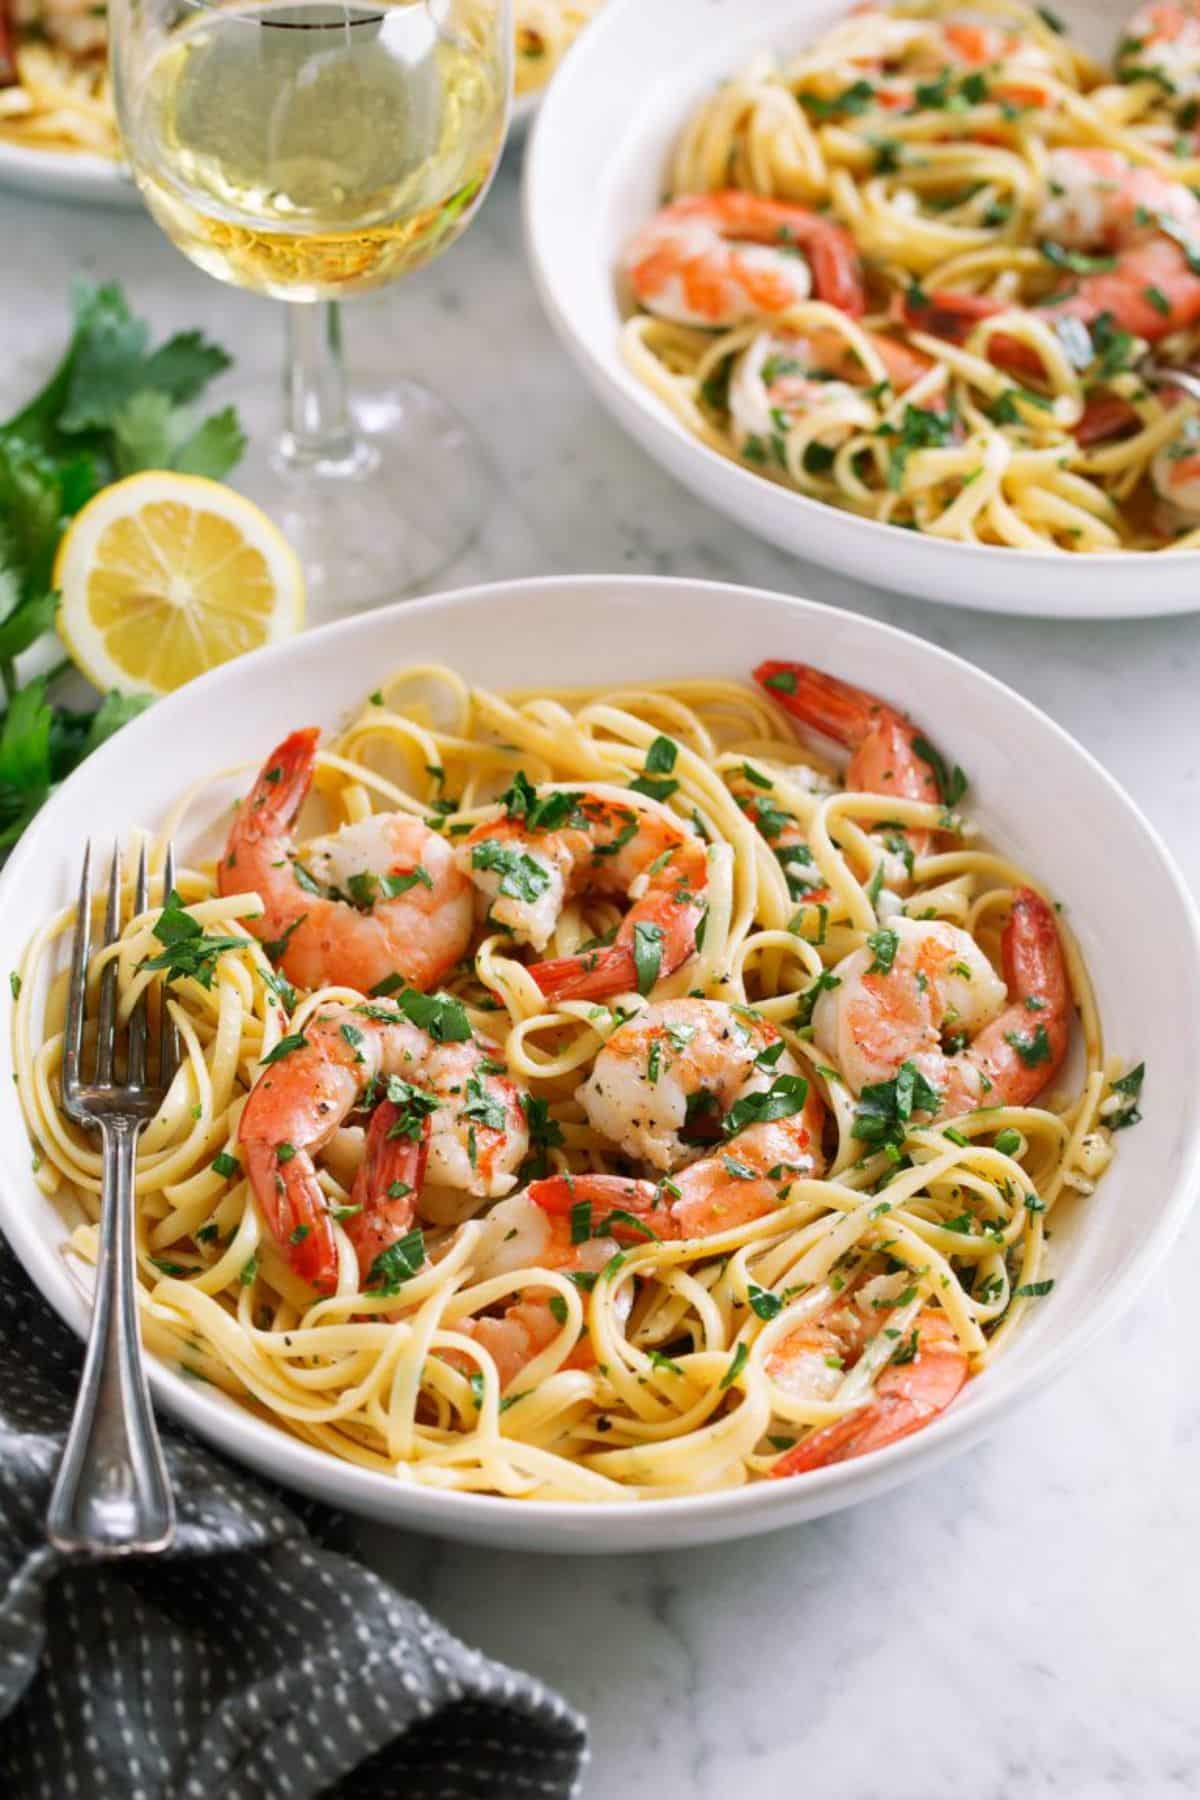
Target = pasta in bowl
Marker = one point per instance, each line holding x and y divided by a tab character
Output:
925	266
623	1107
615	1186
916	271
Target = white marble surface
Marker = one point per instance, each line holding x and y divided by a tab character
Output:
1020	1625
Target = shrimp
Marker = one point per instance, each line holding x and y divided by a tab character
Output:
1162	41
461	1116
720	259
886	754
604	842
1146	229
519	1234
667	1078
939	1006
783	377
669	1083
381	897
809	1363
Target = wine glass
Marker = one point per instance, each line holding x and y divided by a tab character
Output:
310	149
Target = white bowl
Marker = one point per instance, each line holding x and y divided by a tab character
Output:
1034	791
594	171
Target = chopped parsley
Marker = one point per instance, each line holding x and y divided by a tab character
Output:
647	954
886	1107
1033	1290
1129	1087
398	1263
656	781
921	428
785	1096
225	1165
766	1304
546	814
189	951
1031	1050
736	1366
951	785
1075	260
883	946
414	1107
295	1040
521	878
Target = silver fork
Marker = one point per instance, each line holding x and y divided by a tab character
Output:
1157	374
112	1496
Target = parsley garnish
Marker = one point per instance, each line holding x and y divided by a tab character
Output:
1130	1089
951	786
294	1041
647	954
225	1165
398	1263
883	946
886	1107
785	1096
1031	1050
735	1368
521	878
190	951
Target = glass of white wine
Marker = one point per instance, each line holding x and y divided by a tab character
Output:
310	149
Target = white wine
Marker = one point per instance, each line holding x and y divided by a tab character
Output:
309	150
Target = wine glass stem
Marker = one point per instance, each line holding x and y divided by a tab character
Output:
318	430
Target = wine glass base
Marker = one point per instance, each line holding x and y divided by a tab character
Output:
407	499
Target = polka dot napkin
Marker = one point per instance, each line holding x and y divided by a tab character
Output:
251	1662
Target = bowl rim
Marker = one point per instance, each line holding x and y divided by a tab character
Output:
753	1507
608	374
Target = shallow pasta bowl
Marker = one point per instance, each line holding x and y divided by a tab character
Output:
1140	937
594	172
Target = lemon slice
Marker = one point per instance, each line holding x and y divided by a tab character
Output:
163	576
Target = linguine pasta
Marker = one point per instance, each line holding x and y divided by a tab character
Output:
665	1371
991	388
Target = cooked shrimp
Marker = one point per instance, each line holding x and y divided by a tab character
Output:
783	377
810	1361
604	842
1134	218
518	1234
1162	39
668	1084
939	1005
379	898
666	1080
719	259
884	745
462	1116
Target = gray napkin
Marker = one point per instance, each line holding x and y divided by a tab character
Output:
252	1662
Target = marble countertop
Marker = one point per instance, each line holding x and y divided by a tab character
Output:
1021	1623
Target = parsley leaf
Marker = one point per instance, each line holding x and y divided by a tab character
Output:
190	952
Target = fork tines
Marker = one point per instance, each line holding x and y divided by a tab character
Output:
84	1099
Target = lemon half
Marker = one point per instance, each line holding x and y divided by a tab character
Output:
163	576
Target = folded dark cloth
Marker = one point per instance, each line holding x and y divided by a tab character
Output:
252	1660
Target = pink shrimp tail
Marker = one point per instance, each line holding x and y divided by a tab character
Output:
386	1187
293	1206
558	1195
272	805
594	975
907	1397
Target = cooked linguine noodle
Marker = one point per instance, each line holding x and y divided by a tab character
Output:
1013	227
670	1364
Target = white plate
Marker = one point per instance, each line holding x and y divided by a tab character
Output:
67	175
1139	935
594	171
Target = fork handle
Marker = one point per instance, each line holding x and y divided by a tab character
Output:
112	1496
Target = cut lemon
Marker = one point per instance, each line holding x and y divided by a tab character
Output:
163	576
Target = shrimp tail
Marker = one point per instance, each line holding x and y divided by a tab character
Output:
667	924
559	1195
955	316
387	1186
290	1197
834	708
273	803
907	1396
